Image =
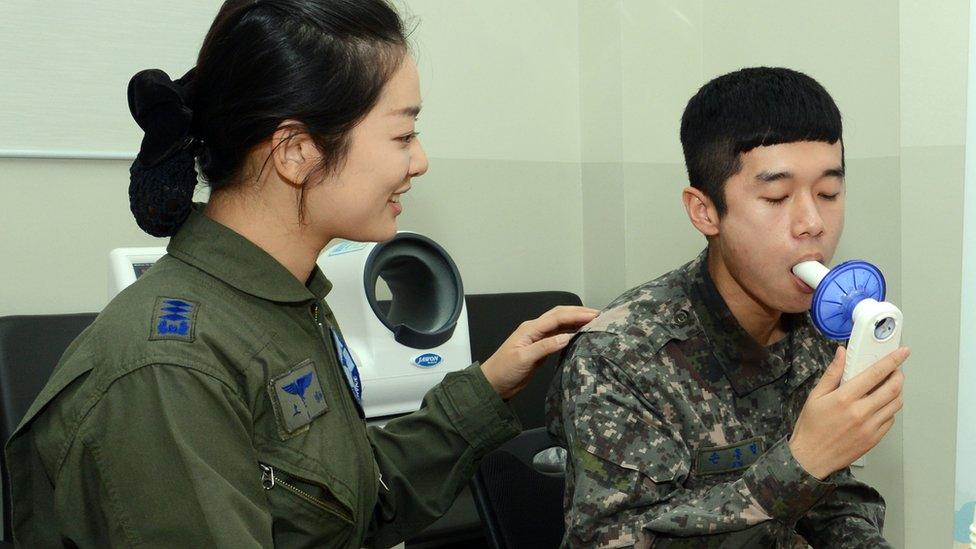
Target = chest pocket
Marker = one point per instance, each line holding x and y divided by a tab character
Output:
306	512
312	500
313	465
631	443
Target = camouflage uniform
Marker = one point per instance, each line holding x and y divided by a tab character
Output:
676	422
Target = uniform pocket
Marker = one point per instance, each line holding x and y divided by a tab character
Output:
634	443
312	493
305	512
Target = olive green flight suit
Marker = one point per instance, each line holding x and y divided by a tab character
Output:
205	407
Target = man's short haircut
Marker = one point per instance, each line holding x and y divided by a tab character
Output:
748	108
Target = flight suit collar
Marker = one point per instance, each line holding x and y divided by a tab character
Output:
746	364
228	256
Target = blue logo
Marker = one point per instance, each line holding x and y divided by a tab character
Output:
427	360
299	386
345	248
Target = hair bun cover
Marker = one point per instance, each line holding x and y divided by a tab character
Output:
163	176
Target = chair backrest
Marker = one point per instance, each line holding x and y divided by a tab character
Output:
492	318
519	505
30	347
519	499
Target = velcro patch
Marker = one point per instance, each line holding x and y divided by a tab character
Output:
725	459
174	319
297	398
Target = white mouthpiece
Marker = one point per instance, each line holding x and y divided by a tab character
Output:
810	272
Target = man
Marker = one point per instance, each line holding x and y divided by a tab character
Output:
699	409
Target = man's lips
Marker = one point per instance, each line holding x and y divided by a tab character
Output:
801	285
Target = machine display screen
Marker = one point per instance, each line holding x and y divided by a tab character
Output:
141	268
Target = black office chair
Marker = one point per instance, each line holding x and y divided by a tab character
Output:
518	490
519	506
491	319
30	347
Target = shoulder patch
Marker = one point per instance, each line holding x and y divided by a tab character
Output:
174	319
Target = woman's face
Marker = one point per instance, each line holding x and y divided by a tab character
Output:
362	201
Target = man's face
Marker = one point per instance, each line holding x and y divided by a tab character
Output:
786	205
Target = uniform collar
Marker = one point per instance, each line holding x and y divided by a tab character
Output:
228	256
746	364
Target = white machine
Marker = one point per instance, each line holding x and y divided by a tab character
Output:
404	346
848	303
128	264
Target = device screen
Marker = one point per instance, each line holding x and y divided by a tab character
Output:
141	268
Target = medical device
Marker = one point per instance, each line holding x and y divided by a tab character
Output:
849	303
404	345
128	264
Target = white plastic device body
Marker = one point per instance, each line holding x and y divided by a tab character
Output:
393	381
128	264
877	324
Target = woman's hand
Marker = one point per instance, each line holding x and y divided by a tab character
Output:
511	367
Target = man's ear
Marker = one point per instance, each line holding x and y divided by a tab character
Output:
293	152
701	211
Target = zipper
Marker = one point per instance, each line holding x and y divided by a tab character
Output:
349	415
269	480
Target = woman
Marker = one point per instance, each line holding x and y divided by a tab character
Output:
172	421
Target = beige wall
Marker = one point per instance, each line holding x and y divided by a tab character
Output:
500	123
933	59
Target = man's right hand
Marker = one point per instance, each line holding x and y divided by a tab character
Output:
839	424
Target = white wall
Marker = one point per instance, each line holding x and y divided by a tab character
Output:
66	65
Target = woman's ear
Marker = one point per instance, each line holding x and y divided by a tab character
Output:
701	211
293	153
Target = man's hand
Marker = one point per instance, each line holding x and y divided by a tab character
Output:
839	424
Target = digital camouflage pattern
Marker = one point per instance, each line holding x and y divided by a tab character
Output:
676	422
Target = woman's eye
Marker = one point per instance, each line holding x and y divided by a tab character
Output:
829	196
779	200
408	137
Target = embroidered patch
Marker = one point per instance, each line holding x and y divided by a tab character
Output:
725	459
174	319
297	398
349	368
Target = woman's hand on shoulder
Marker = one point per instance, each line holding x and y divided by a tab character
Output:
511	368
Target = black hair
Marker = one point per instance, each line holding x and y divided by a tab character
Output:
749	108
322	63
